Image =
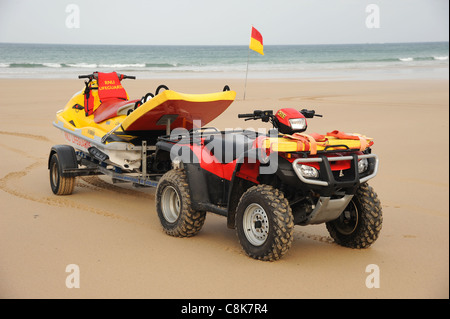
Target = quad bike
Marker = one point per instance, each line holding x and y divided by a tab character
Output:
267	183
264	183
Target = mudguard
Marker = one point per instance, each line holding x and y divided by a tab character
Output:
198	185
66	155
194	173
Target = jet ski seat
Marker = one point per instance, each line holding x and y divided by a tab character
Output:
112	108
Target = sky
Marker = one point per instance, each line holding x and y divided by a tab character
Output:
211	22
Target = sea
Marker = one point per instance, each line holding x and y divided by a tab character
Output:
303	62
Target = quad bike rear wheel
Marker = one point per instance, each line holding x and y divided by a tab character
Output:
264	223
60	184
360	223
173	204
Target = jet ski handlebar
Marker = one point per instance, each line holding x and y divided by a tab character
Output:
94	76
123	76
87	76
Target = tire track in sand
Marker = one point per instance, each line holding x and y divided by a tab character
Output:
95	182
59	201
26	135
320	238
89	182
18	151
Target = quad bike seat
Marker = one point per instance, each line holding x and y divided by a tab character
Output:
228	147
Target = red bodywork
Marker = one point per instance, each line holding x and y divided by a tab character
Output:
250	170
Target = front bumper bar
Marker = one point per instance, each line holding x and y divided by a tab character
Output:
327	177
328	207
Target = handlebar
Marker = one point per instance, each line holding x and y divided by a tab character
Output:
245	115
309	114
265	116
94	76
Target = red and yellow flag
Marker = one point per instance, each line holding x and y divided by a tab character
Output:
256	42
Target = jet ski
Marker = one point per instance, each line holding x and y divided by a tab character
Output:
101	119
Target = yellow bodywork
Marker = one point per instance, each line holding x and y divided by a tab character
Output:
73	118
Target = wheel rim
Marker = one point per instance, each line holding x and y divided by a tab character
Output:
348	220
170	204
54	173
256	224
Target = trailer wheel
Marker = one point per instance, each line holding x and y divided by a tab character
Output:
173	204
360	223
264	223
61	185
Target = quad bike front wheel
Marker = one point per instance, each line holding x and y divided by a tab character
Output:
264	223
60	184
360	223
173	204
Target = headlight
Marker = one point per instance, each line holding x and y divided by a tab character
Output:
309	171
298	124
363	165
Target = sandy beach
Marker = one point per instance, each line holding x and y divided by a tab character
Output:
113	234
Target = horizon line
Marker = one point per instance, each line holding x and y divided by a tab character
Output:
219	45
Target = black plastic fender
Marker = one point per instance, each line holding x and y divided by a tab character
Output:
66	155
286	173
198	186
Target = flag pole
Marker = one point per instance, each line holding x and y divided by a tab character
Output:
246	74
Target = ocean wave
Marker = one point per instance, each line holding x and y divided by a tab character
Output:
162	65
381	60
374	60
26	65
32	65
81	65
120	66
235	65
88	65
347	61
52	65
